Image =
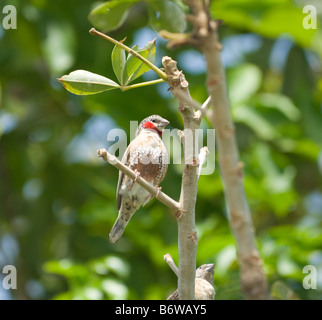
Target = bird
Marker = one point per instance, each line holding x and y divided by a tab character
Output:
147	156
204	289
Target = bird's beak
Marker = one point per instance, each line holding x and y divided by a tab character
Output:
163	123
209	266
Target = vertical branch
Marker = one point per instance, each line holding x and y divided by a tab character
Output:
187	236
205	34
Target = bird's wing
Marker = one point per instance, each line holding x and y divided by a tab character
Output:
174	295
125	160
163	159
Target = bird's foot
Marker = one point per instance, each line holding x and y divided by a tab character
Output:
137	174
158	191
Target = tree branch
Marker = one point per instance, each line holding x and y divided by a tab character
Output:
205	106
159	195
252	276
187	236
169	260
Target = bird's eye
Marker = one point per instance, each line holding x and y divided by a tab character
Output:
153	120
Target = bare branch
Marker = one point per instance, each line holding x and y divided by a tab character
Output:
187	244
205	106
252	276
159	195
186	99
177	39
168	259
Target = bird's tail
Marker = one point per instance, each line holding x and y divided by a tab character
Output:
118	228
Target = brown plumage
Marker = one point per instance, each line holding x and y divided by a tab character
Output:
147	155
204	281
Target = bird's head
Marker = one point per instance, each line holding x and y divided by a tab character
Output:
206	272
154	123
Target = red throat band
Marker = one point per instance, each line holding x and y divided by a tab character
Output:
150	125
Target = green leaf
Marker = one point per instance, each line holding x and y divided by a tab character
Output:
254	120
279	102
127	74
134	66
225	259
269	18
307	148
59	46
110	15
244	81
281	291
118	63
83	82
115	289
67	268
276	180
166	15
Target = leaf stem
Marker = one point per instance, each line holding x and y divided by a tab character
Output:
141	84
158	71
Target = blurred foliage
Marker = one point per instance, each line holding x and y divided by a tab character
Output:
57	200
